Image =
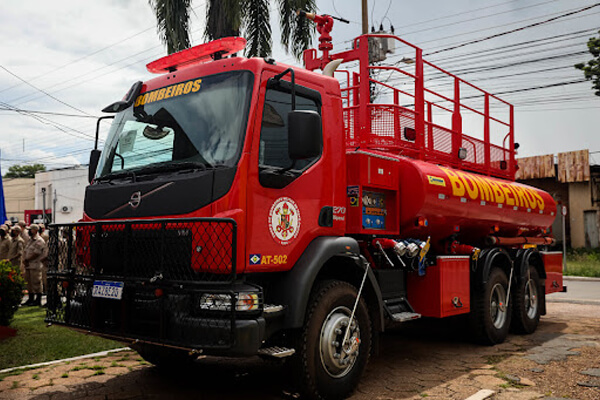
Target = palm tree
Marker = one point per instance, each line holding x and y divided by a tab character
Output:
173	20
250	18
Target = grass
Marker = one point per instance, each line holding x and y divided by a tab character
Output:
583	262
37	343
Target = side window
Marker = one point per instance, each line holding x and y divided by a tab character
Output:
277	169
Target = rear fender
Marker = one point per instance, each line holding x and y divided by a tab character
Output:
326	258
524	259
494	257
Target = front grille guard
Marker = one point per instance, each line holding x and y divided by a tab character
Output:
166	267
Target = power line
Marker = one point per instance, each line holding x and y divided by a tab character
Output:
48	113
43	91
515	30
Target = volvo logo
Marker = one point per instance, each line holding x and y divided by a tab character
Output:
135	199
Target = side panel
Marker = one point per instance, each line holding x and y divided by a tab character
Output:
282	222
444	291
553	265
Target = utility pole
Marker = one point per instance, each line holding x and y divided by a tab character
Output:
44	204
365	17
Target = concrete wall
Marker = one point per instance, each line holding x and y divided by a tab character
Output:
65	192
580	201
19	195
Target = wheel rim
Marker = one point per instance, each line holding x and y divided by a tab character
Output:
338	361
531	299
498	310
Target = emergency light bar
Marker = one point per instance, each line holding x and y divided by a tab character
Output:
198	54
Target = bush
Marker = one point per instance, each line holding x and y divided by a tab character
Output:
11	291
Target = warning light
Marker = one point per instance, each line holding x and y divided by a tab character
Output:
421	222
495	228
410	134
158	292
65	284
198	54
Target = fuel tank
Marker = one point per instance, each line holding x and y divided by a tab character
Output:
418	199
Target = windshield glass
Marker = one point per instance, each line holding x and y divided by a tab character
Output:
198	122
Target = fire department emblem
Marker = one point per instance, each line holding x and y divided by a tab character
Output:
284	220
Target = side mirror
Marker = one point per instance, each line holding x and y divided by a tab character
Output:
94	158
305	134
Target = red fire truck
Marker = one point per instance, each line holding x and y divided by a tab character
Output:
244	207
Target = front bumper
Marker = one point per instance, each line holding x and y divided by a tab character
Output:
169	315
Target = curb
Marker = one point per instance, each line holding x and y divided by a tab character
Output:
99	354
573	301
580	278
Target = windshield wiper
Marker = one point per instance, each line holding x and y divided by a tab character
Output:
115	175
176	166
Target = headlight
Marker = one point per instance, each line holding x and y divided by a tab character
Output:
222	302
247	302
215	302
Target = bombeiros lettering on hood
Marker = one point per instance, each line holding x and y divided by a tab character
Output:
167	92
482	188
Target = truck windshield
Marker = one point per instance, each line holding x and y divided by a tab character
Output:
197	123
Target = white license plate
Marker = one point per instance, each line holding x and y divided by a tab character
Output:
108	290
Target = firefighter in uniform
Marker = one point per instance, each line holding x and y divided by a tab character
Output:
4	242
15	253
33	255
46	236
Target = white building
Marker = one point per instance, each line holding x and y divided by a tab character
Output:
62	191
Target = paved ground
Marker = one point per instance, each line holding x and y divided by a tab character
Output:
424	359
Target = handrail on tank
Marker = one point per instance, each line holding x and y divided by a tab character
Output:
370	135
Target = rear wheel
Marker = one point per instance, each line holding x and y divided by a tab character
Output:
329	368
526	303
490	315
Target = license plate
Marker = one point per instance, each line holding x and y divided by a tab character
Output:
108	290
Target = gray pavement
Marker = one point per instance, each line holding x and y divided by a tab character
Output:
579	290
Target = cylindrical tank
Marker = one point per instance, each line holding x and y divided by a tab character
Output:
468	205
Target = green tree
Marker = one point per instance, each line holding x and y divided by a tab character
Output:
591	70
24	171
248	18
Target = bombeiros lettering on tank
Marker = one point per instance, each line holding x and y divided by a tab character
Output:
284	220
476	187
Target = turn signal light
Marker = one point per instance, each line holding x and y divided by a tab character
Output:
421	222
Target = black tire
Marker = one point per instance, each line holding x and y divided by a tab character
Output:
165	358
526	303
322	375
490	318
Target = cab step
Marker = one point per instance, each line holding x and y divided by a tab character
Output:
405	316
276	352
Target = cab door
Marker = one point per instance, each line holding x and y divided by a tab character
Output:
289	202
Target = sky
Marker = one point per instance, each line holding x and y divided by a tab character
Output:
72	57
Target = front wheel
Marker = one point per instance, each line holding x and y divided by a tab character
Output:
331	369
490	314
526	306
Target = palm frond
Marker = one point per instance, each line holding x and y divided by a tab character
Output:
173	23
296	32
223	18
257	27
